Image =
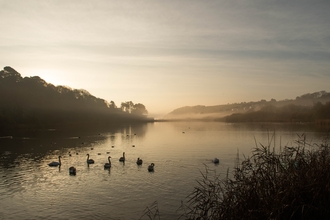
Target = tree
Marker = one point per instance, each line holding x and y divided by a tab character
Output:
139	109
127	106
112	105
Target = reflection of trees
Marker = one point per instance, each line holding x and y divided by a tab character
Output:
37	144
134	131
32	101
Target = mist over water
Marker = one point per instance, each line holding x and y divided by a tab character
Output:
30	189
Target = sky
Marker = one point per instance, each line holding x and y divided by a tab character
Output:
170	54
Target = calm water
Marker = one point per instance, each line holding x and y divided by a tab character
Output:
30	189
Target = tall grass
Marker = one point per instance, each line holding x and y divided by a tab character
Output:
288	183
293	183
151	212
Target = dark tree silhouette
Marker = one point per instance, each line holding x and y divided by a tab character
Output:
139	109
31	101
127	106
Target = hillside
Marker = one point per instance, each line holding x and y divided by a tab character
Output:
226	112
31	101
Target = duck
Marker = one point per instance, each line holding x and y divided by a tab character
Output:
151	167
216	160
89	161
122	159
139	161
107	165
72	171
55	163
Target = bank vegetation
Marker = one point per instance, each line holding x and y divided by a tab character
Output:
292	182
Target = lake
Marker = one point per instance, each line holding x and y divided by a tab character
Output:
30	189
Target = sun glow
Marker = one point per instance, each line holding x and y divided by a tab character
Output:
50	76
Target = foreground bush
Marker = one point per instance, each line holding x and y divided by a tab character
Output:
293	183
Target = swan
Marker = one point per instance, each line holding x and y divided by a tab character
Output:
107	165
139	161
54	163
216	160
72	171
89	161
122	159
151	167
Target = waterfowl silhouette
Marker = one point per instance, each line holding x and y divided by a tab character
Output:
107	165
151	167
54	163
139	161
72	171
122	159
89	161
216	160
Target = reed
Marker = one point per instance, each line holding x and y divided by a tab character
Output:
151	212
293	183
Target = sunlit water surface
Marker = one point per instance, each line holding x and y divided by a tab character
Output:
30	189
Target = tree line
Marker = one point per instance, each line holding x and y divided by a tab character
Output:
31	101
310	107
287	113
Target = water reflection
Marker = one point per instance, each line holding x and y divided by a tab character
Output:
31	189
41	143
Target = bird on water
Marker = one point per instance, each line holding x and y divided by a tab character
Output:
122	159
55	163
89	161
151	167
107	165
139	161
72	171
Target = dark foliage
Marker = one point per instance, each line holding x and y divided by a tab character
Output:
299	109
287	113
31	101
291	184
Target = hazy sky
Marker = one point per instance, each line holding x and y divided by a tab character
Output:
171	53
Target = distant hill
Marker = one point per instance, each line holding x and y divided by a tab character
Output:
247	111
31	101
